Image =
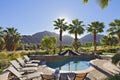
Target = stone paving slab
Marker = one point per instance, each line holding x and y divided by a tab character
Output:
4	75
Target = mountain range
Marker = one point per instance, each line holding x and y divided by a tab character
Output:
89	38
37	37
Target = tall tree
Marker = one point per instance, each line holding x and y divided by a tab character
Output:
12	39
76	28
109	40
102	3
48	43
95	28
2	40
115	28
62	26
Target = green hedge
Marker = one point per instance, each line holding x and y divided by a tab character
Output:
116	77
5	58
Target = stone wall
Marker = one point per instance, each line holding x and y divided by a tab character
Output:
48	58
53	58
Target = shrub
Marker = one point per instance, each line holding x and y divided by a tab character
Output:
84	50
3	55
112	50
116	77
116	58
14	55
99	52
88	44
4	60
4	63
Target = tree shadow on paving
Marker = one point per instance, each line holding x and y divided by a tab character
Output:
102	70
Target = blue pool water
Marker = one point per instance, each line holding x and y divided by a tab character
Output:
70	64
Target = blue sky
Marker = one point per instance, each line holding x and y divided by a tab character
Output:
31	16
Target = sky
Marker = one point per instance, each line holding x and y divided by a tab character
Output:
32	16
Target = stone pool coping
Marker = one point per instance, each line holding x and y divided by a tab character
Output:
45	68
94	73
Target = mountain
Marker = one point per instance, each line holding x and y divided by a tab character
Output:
36	38
89	38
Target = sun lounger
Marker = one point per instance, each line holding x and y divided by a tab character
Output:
22	63
19	76
70	76
48	77
23	69
80	76
63	76
28	60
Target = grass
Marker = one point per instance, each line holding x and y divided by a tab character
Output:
107	53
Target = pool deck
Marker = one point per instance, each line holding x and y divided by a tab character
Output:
81	71
100	69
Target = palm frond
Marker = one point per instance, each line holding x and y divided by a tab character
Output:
85	1
103	3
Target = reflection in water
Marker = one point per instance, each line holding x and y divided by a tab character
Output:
71	64
75	66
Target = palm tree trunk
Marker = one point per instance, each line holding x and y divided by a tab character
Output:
95	47
14	47
60	40
54	50
119	38
76	46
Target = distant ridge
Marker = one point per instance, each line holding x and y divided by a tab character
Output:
89	38
37	37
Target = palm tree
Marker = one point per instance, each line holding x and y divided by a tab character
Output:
109	40
102	3
12	39
76	28
104	40
95	28
62	26
115	28
116	59
2	40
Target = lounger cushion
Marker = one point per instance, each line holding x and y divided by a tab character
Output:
22	62
22	69
34	65
29	69
30	61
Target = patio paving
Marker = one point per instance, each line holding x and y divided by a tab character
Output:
101	70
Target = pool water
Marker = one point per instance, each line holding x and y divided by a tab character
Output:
70	64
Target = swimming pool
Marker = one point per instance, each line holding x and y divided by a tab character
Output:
70	64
